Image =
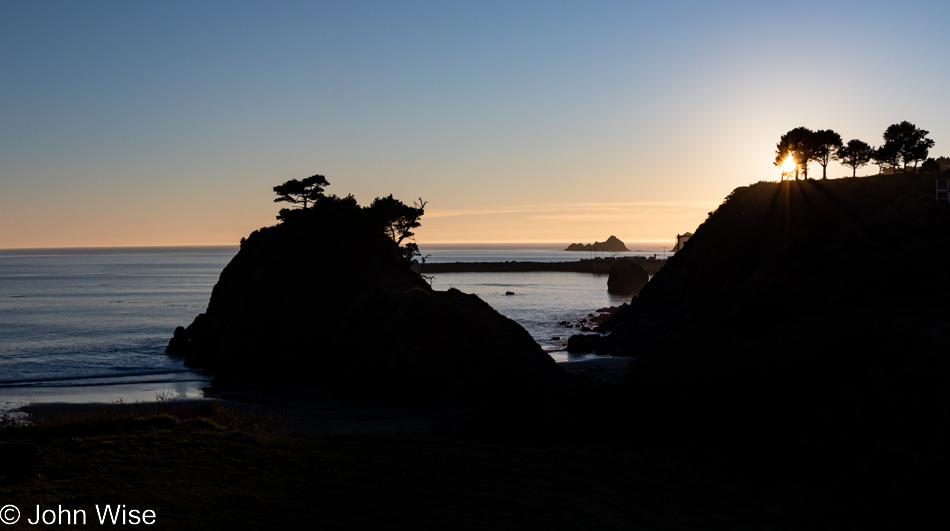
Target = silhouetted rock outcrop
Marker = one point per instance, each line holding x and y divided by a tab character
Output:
626	278
580	344
326	299
612	245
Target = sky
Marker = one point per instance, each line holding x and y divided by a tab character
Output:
169	123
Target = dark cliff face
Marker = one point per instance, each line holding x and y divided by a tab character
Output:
776	256
327	300
805	325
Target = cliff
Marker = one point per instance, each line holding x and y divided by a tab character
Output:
805	331
799	255
326	299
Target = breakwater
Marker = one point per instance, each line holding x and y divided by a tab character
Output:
598	266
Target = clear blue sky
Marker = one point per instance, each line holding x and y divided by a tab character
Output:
164	123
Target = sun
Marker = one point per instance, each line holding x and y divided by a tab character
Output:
788	165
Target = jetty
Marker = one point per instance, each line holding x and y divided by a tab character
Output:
597	266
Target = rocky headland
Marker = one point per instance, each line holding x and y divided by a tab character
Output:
803	337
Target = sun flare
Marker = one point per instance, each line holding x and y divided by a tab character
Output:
788	165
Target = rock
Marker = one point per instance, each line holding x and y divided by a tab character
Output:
612	245
582	344
326	301
626	278
178	344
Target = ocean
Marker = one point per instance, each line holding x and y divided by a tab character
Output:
91	325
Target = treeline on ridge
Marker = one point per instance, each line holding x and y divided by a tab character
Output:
904	144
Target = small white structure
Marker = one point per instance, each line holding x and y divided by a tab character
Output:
680	240
943	186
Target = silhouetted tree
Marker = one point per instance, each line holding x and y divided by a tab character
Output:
886	156
930	166
304	192
799	143
397	219
825	144
918	152
944	162
855	155
910	142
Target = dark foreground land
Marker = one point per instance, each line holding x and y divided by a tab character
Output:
203	466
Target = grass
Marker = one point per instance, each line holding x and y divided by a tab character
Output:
203	466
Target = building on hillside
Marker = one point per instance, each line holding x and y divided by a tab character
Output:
680	240
943	186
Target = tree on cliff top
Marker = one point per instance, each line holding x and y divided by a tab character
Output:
797	143
909	142
930	166
397	219
390	218
825	145
855	154
886	156
304	192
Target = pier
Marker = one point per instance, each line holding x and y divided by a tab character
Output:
597	266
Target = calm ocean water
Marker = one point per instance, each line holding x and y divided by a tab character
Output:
541	300
91	325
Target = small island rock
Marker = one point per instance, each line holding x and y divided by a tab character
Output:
612	245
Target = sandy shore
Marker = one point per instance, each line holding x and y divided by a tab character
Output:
313	412
599	370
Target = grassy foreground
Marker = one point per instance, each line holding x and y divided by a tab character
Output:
205	467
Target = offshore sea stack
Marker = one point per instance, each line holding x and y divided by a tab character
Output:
612	245
326	299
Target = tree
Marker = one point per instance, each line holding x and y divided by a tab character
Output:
886	156
909	142
397	219
799	144
855	155
930	166
918	151
824	146
304	192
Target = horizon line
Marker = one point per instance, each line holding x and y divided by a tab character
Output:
199	245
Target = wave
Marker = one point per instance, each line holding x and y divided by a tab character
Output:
106	379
